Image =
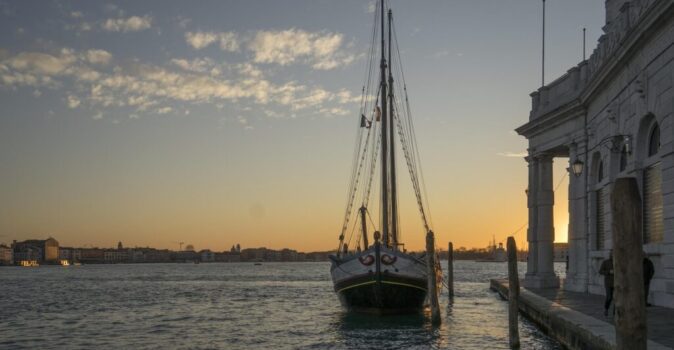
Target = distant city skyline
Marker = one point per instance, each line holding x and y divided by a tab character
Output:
163	121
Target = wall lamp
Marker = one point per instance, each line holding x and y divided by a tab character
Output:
618	141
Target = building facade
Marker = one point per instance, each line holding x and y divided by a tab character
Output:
41	251
6	255
609	117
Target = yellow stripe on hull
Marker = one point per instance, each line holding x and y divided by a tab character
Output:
387	282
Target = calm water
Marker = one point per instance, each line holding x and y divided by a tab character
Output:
235	306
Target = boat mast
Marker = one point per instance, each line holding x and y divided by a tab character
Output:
384	139
394	198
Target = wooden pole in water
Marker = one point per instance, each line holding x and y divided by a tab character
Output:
432	282
450	270
513	294
630	308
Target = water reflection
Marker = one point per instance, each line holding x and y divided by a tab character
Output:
357	330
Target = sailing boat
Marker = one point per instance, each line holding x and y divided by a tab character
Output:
382	277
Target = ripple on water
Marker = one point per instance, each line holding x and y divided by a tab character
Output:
235	306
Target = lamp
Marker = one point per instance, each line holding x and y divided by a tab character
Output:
577	167
627	140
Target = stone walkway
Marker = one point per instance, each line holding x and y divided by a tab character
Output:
660	319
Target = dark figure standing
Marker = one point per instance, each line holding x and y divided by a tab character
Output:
649	271
606	269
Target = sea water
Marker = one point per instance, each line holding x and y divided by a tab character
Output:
237	306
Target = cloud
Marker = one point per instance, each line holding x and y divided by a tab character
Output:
98	56
164	110
243	121
73	102
321	50
228	40
41	63
184	22
513	154
89	78
97	116
41	69
195	65
334	111
370	7
131	24
76	14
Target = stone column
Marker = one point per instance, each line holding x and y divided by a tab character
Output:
576	277
545	232
532	258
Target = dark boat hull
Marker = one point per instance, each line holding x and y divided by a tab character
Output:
391	295
380	280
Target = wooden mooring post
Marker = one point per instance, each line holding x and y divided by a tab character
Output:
630	308
513	294
450	271
432	279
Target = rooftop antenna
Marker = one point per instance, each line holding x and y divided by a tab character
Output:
543	50
584	30
180	245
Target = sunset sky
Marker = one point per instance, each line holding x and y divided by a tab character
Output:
223	122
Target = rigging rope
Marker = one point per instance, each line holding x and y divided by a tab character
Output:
360	149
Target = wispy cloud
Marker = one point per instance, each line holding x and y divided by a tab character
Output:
131	24
98	56
371	6
321	50
73	102
228	40
513	154
91	79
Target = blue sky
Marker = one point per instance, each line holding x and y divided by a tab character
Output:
232	121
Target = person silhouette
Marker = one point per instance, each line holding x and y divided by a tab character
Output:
649	271
606	270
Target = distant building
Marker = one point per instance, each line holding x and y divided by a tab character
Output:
186	256
42	251
92	255
207	256
253	254
115	256
6	255
499	253
70	254
561	251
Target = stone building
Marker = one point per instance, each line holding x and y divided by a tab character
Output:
6	255
608	117
40	250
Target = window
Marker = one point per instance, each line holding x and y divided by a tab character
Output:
653	220
654	141
623	158
653	214
599	200
599	205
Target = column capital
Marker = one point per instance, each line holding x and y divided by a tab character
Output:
544	157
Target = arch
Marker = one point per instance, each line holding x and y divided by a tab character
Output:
597	171
623	158
654	140
648	127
